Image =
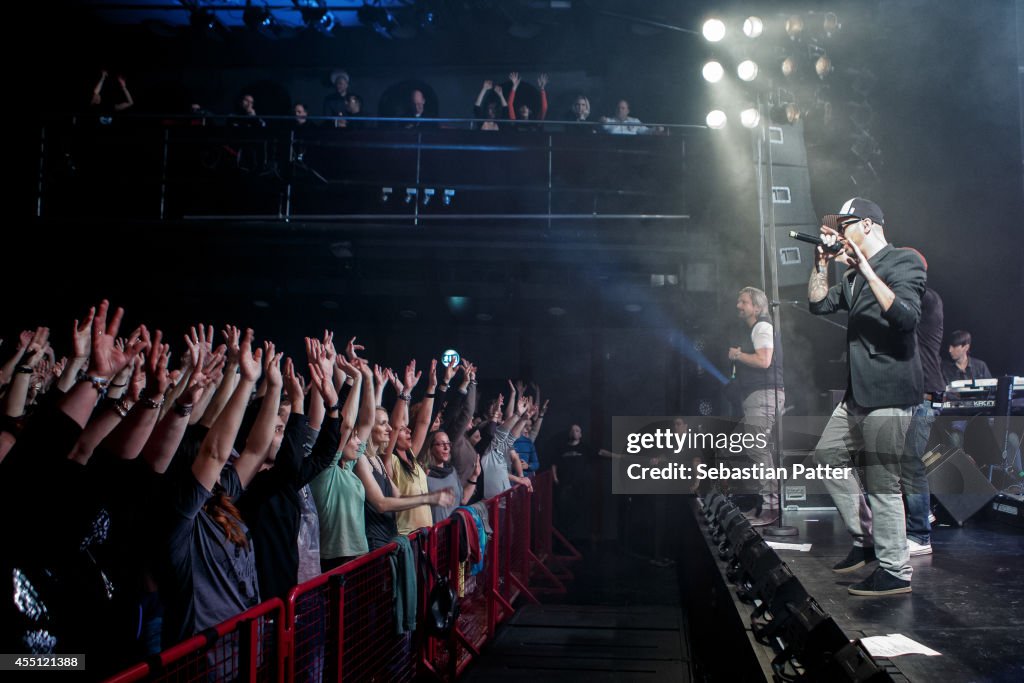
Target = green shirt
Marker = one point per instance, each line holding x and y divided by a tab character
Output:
339	496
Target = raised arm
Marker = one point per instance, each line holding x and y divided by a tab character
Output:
542	83
31	356
262	433
128	101
81	343
514	77
421	425
129	437
350	410
381	503
167	435
226	388
216	447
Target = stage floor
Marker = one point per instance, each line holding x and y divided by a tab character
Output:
967	601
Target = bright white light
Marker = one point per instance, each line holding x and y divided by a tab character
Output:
714	30
750	117
747	70
753	27
716	119
713	72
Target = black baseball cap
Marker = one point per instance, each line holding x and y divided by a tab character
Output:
858	208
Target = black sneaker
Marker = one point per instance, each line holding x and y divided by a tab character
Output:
858	557
880	582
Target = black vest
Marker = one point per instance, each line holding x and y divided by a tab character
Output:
750	379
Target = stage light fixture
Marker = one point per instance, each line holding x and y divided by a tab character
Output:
379	19
785	113
713	30
831	23
716	119
747	70
753	27
788	67
315	15
750	117
713	71
794	26
823	66
257	18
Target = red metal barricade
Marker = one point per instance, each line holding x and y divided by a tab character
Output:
342	624
249	647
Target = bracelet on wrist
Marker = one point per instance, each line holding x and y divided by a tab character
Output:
336	406
122	406
98	383
152	403
404	396
443	387
117	386
183	409
23	370
430	394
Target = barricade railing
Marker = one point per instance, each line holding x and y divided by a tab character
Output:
342	625
248	647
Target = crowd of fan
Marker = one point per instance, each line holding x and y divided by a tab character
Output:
343	108
144	504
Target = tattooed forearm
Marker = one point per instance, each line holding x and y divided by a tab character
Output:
817	286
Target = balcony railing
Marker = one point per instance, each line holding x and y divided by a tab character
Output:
382	172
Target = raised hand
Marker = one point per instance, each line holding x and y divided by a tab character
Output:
522	405
488	85
36	346
514	77
231	337
449	372
106	360
394	379
323	381
328	343
498	91
380	376
293	384
412	377
351	348
155	366
81	335
272	366
432	377
520	387
248	362
138	381
349	369
25	338
542	81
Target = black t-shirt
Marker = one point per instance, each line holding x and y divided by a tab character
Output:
572	461
929	341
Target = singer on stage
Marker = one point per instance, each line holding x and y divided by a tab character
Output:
881	289
757	366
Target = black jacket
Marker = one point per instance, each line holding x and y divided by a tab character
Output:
884	368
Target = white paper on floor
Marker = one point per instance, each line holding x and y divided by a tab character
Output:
894	645
802	547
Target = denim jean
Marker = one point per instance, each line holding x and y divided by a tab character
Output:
873	439
913	476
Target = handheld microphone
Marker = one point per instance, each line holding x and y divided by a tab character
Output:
815	239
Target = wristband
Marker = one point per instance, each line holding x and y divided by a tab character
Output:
404	397
152	403
429	395
24	370
183	409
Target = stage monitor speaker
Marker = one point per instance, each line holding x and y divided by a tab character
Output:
958	484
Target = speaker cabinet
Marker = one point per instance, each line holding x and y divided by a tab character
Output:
957	483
